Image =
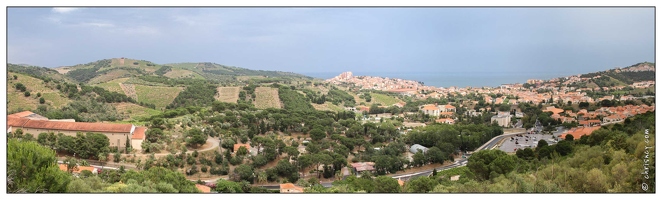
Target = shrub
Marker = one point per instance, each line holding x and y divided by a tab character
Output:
42	100
203	169
27	94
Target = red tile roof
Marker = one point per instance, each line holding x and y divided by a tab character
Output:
290	186
76	169
16	121
79	126
203	188
139	133
22	114
236	147
578	132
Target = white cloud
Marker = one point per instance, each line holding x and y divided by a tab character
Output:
64	9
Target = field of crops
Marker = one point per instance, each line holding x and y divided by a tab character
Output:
266	97
227	94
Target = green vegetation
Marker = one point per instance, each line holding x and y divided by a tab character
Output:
32	168
293	100
159	96
163	70
85	74
198	95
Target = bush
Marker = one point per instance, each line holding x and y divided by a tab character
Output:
27	94
203	169
192	170
42	100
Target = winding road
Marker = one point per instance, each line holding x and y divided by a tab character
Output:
458	163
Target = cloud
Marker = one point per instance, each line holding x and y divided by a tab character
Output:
64	10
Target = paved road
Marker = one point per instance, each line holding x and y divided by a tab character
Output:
458	163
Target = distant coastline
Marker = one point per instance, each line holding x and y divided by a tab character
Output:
446	80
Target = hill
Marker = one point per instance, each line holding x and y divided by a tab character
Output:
644	71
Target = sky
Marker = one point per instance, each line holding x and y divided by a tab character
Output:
333	40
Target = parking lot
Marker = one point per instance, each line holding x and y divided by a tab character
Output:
521	141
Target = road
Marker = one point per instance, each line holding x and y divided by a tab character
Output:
458	163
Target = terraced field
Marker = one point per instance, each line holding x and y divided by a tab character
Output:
157	95
227	94
112	75
114	85
129	90
181	73
266	97
133	111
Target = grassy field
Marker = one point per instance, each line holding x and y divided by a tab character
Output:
133	111
55	99
385	100
114	85
227	94
16	99
157	95
181	73
266	97
328	106
111	75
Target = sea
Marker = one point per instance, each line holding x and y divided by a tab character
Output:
438	79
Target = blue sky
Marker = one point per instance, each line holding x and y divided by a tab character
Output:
312	40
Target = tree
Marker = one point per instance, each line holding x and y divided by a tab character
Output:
526	154
127	145
15	77
242	151
21	87
317	134
483	163
421	184
569	137
195	137
435	155
154	135
541	144
32	168
116	157
385	184
225	186
42	100
243	172
102	158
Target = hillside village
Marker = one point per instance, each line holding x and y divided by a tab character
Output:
247	129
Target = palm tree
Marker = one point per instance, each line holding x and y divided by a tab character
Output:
262	177
71	164
102	158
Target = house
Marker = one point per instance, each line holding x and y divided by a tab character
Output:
203	188
447	108
445	121
237	146
362	166
503	119
78	169
138	137
430	109
290	188
579	132
553	109
455	178
414	148
34	124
